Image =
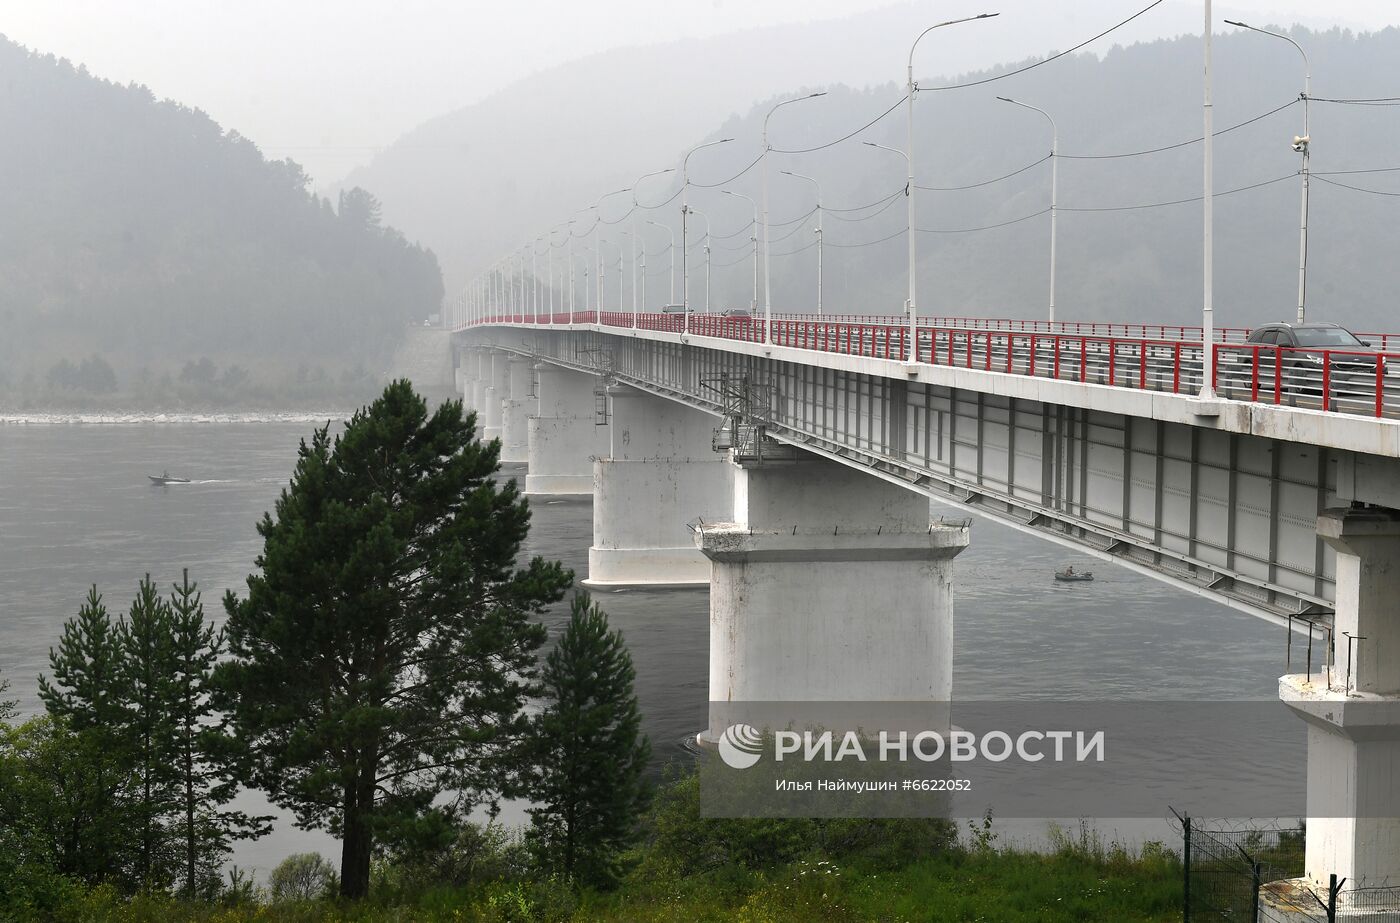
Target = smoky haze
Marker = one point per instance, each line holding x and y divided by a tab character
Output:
160	246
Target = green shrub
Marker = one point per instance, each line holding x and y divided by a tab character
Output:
301	877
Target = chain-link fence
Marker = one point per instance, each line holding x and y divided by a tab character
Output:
1250	873
1225	868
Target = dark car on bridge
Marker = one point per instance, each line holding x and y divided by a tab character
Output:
1310	355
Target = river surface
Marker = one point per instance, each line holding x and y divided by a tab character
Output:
76	508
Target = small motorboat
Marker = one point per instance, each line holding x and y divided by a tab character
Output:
1070	575
165	478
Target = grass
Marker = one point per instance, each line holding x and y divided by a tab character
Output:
1074	884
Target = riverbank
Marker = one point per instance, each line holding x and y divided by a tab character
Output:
695	869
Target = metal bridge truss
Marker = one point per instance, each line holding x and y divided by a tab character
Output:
1228	516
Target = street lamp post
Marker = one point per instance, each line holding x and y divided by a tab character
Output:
912	88
753	238
819	233
641	243
701	215
1208	224
619	252
672	233
586	289
685	210
571	267
1054	184
767	272
1303	145
535	276
908	304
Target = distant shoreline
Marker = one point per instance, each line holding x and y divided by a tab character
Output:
120	418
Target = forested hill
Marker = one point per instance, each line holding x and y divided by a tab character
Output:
1130	177
141	230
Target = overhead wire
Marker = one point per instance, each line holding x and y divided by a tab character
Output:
1332	182
1126	208
1172	147
987	182
731	179
1053	57
987	227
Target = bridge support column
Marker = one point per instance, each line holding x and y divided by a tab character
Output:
477	360
660	473
1353	787
565	437
516	410
828	585
494	375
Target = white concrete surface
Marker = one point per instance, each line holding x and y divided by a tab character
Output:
565	438
497	387
1353	789
828	585
660	474
516	408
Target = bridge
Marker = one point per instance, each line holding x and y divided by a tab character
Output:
789	466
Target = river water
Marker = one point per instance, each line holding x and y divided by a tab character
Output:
76	508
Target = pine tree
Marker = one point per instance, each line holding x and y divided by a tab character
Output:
145	665
85	668
200	778
385	648
591	752
86	757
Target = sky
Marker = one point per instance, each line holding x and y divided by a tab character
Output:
330	82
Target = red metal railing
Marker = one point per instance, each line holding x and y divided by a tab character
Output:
1141	357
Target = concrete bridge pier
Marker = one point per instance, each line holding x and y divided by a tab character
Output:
660	472
473	393
496	385
516	409
1353	787
565	437
828	585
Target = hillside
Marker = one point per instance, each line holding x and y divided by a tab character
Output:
140	230
1129	184
475	182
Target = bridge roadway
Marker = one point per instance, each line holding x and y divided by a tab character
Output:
1279	496
1089	434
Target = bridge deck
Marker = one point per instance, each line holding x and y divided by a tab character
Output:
1140	357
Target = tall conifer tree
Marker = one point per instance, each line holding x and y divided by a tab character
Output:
145	664
386	644
591	752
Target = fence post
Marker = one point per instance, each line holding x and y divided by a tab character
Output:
1254	898
1186	869
1333	886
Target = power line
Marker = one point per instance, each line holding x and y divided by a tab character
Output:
898	192
1360	101
985	182
846	137
1172	147
1353	172
868	243
902	99
987	227
1332	182
1022	70
799	249
888	202
1126	208
731	179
